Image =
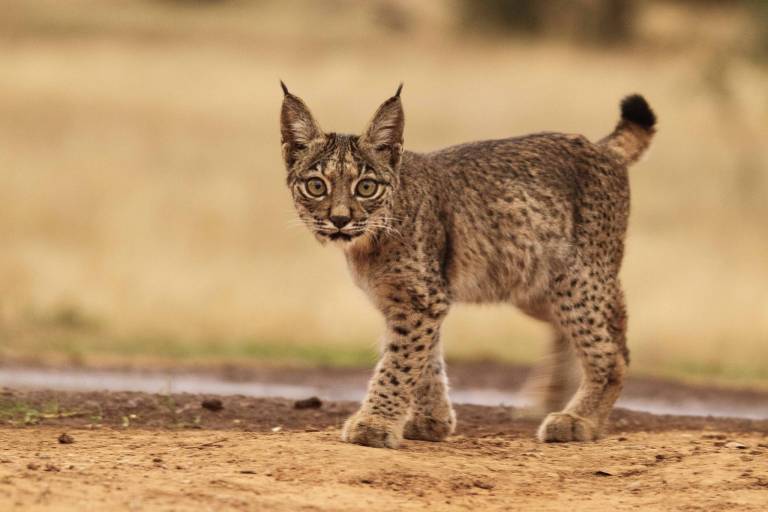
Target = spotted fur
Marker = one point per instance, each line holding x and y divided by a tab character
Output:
536	221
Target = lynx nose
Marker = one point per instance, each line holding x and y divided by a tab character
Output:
340	220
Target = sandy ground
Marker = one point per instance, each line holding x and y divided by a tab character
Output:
110	469
133	451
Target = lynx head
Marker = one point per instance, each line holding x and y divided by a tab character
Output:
342	185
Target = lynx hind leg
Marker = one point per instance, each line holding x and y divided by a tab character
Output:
555	379
586	309
432	416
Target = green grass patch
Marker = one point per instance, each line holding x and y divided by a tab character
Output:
698	372
15	412
273	352
82	348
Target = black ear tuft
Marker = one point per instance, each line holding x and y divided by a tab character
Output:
636	110
399	88
285	89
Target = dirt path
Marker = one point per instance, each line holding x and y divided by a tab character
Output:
108	469
134	451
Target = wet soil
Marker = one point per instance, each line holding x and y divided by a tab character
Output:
20	408
482	383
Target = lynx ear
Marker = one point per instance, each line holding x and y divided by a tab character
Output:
297	126
385	131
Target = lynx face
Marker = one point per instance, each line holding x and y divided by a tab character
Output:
342	193
342	185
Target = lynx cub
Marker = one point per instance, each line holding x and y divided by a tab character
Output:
537	221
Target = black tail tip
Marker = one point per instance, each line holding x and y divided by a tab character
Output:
635	109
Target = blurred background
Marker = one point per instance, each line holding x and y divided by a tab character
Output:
144	217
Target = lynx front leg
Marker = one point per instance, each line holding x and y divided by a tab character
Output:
411	338
432	418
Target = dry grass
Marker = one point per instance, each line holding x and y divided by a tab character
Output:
143	194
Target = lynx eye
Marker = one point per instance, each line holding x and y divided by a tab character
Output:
366	188
316	187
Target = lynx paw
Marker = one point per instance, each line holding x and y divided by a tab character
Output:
427	428
373	431
562	427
